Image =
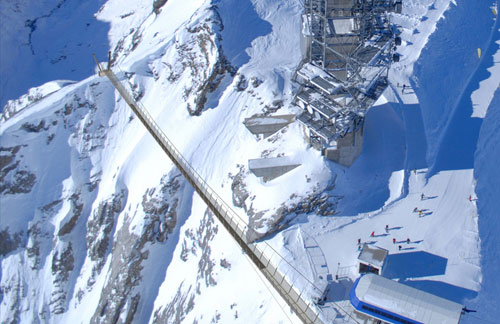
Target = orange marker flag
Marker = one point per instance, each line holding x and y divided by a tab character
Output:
479	53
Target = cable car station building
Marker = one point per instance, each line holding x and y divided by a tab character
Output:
387	301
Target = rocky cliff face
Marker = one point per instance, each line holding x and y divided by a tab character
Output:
68	237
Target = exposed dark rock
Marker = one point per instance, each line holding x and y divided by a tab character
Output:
183	302
157	4
21	181
206	232
225	264
185	251
50	138
256	82
76	211
33	246
62	265
32	128
261	224
161	208
242	83
127	15
99	229
118	303
196	56
5	160
175	311
240	194
136	39
9	242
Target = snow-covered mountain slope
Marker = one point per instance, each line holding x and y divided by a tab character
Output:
47	40
98	226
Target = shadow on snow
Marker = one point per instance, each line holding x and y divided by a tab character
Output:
414	265
442	289
447	106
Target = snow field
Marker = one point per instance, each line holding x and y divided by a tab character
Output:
382	187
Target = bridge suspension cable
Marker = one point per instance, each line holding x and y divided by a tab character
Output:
265	258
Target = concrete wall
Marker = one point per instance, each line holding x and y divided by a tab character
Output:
267	125
348	148
271	168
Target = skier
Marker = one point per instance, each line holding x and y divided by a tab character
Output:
403	90
359	248
372	234
420	213
415	209
393	241
466	310
359	241
399	247
422	196
387	228
408	241
470	198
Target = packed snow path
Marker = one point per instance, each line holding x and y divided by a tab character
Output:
266	258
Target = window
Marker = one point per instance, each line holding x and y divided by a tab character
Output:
387	315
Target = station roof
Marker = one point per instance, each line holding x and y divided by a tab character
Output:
273	162
405	301
268	120
375	256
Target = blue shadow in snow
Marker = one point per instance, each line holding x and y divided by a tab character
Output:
414	265
447	106
242	25
56	44
442	289
416	143
488	204
364	185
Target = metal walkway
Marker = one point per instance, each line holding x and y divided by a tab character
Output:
291	285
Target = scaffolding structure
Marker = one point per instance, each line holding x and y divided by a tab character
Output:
350	46
344	35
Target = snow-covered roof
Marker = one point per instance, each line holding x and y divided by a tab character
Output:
308	71
405	301
343	26
268	120
272	162
374	256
